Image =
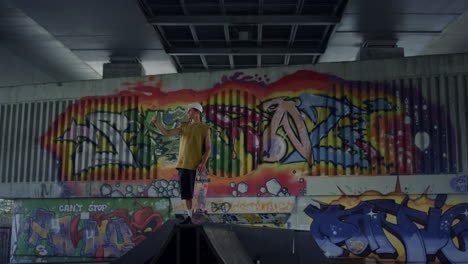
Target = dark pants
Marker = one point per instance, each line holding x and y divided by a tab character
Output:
187	183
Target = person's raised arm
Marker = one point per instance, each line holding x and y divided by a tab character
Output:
164	131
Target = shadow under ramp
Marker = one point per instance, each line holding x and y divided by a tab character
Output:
151	246
227	244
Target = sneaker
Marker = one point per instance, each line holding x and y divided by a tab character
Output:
187	221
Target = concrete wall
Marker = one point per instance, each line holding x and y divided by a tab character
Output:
370	156
16	71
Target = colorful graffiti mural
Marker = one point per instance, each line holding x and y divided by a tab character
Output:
392	227
303	124
87	229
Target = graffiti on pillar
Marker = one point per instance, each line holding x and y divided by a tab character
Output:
302	124
391	227
86	229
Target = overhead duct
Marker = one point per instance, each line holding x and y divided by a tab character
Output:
380	49
123	66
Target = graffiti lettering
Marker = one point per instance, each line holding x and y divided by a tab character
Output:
110	125
94	237
223	207
44	190
277	219
274	145
100	235
361	230
40	223
62	238
70	208
79	207
97	207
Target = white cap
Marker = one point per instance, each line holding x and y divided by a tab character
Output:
197	106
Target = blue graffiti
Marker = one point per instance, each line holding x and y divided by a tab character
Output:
361	229
351	135
460	184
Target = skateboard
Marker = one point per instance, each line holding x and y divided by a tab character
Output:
199	197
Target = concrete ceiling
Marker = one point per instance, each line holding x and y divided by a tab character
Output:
72	39
416	25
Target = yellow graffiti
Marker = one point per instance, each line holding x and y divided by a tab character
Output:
64	242
42	232
260	206
246	205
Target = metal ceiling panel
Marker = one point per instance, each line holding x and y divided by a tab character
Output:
243	31
414	25
412	6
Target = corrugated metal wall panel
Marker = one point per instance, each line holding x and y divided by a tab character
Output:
3	136
26	124
462	131
21	158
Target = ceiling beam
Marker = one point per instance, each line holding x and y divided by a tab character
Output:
179	65
264	19
231	61
292	35
162	33
244	51
299	6
184	8
204	62
222	8
259	35
260	26
194	34
227	37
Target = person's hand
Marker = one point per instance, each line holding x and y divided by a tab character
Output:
201	168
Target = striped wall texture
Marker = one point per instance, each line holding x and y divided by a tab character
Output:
315	124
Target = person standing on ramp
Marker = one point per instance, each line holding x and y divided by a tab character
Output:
194	150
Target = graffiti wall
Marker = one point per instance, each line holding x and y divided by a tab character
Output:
268	135
83	229
294	149
391	227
